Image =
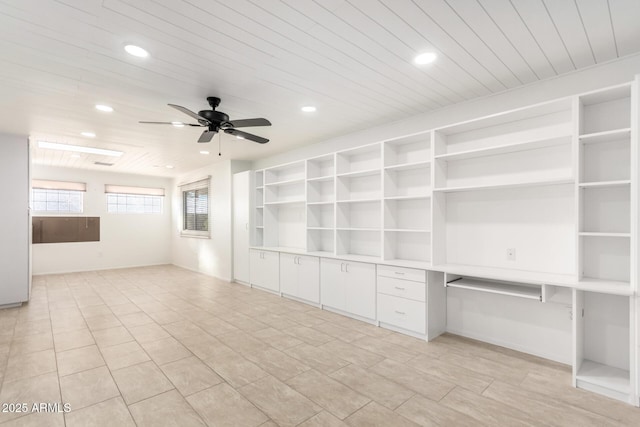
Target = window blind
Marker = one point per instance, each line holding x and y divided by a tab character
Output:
195	206
43	184
139	191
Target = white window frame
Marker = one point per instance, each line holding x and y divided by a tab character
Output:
191	186
62	188
128	193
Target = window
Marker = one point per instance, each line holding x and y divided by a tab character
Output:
57	196
195	208
57	201
134	200
130	203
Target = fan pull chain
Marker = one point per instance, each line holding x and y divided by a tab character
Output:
219	145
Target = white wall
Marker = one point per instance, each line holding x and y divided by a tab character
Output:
592	78
14	219
212	256
126	240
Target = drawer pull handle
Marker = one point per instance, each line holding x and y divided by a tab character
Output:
400	273
399	288
400	312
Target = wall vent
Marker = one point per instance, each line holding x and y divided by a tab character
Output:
103	163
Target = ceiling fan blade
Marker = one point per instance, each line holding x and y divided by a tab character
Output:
245	135
188	112
206	136
169	123
245	123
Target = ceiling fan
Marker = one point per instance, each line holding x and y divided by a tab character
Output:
217	120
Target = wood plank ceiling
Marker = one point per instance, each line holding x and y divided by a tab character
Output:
267	58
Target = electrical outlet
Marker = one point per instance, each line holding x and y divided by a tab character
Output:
511	254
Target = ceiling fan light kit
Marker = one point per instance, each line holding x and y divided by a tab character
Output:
215	121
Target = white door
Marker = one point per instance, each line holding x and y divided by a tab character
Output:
332	283
289	274
241	227
360	284
309	278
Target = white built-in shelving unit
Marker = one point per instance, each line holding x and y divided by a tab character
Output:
604	328
538	203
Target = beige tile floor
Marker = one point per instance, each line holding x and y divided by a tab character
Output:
163	346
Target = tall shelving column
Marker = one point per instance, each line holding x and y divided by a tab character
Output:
358	202
284	206
604	325
321	200
258	235
407	200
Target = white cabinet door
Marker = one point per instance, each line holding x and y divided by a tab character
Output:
256	267
360	284
241	227
332	284
289	274
309	278
271	270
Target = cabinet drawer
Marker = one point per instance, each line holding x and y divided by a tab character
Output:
402	273
401	288
403	313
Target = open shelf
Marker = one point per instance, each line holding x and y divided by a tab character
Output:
407	182
320	203
407	230
530	144
359	243
320	191
320	215
286	182
365	215
358	186
412	149
358	159
601	234
605	136
320	240
320	168
410	246
541	182
321	178
612	287
409	166
604	184
283	202
606	110
597	374
503	288
282	174
415	197
605	208
407	214
362	173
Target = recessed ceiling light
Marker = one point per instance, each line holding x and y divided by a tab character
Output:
75	156
425	58
178	124
169	166
79	149
240	137
136	51
308	109
88	134
104	108
204	152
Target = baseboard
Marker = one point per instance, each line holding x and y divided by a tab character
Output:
224	279
478	337
101	269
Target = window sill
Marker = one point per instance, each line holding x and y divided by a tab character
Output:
195	235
